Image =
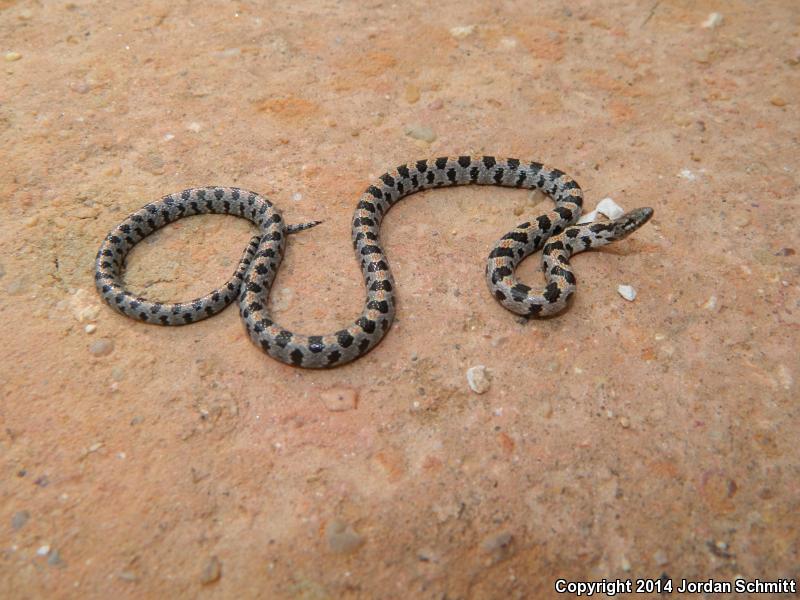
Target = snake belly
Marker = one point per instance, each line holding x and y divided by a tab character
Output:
553	232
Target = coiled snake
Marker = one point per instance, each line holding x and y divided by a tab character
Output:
553	232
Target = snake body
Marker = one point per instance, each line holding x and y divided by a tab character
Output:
554	232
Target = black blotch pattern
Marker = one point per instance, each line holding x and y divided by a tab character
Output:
552	292
283	338
296	357
344	338
544	222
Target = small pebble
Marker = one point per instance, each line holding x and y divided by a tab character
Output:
478	379
342	538
496	542
43	550
19	519
713	21
211	572
609	208
625	422
777	101
498	546
297	196
420	132
606	207
102	347
711	303
339	399
412	93
462	31
12	56
660	558
54	560
781	252
687	174
90	328
194	126
627	292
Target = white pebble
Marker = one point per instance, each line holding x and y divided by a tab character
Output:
610	208
168	137
43	550
420	132
90	328
606	207
462	31
713	21
711	303
478	379
194	126
687	174
627	292
297	196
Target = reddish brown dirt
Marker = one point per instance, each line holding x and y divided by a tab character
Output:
622	439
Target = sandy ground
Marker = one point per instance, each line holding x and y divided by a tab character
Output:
645	439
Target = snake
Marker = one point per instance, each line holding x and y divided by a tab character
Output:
555	232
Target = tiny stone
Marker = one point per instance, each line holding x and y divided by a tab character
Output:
625	564
711	303
462	31
297	196
777	101
713	21
43	550
339	399
660	558
496	542
12	56
420	132
90	328
102	347
128	576
412	93
19	519
625	422
194	126
212	571
627	292
498	546
478	379
342	538
781	252
54	560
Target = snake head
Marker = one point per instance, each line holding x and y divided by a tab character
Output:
630	222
